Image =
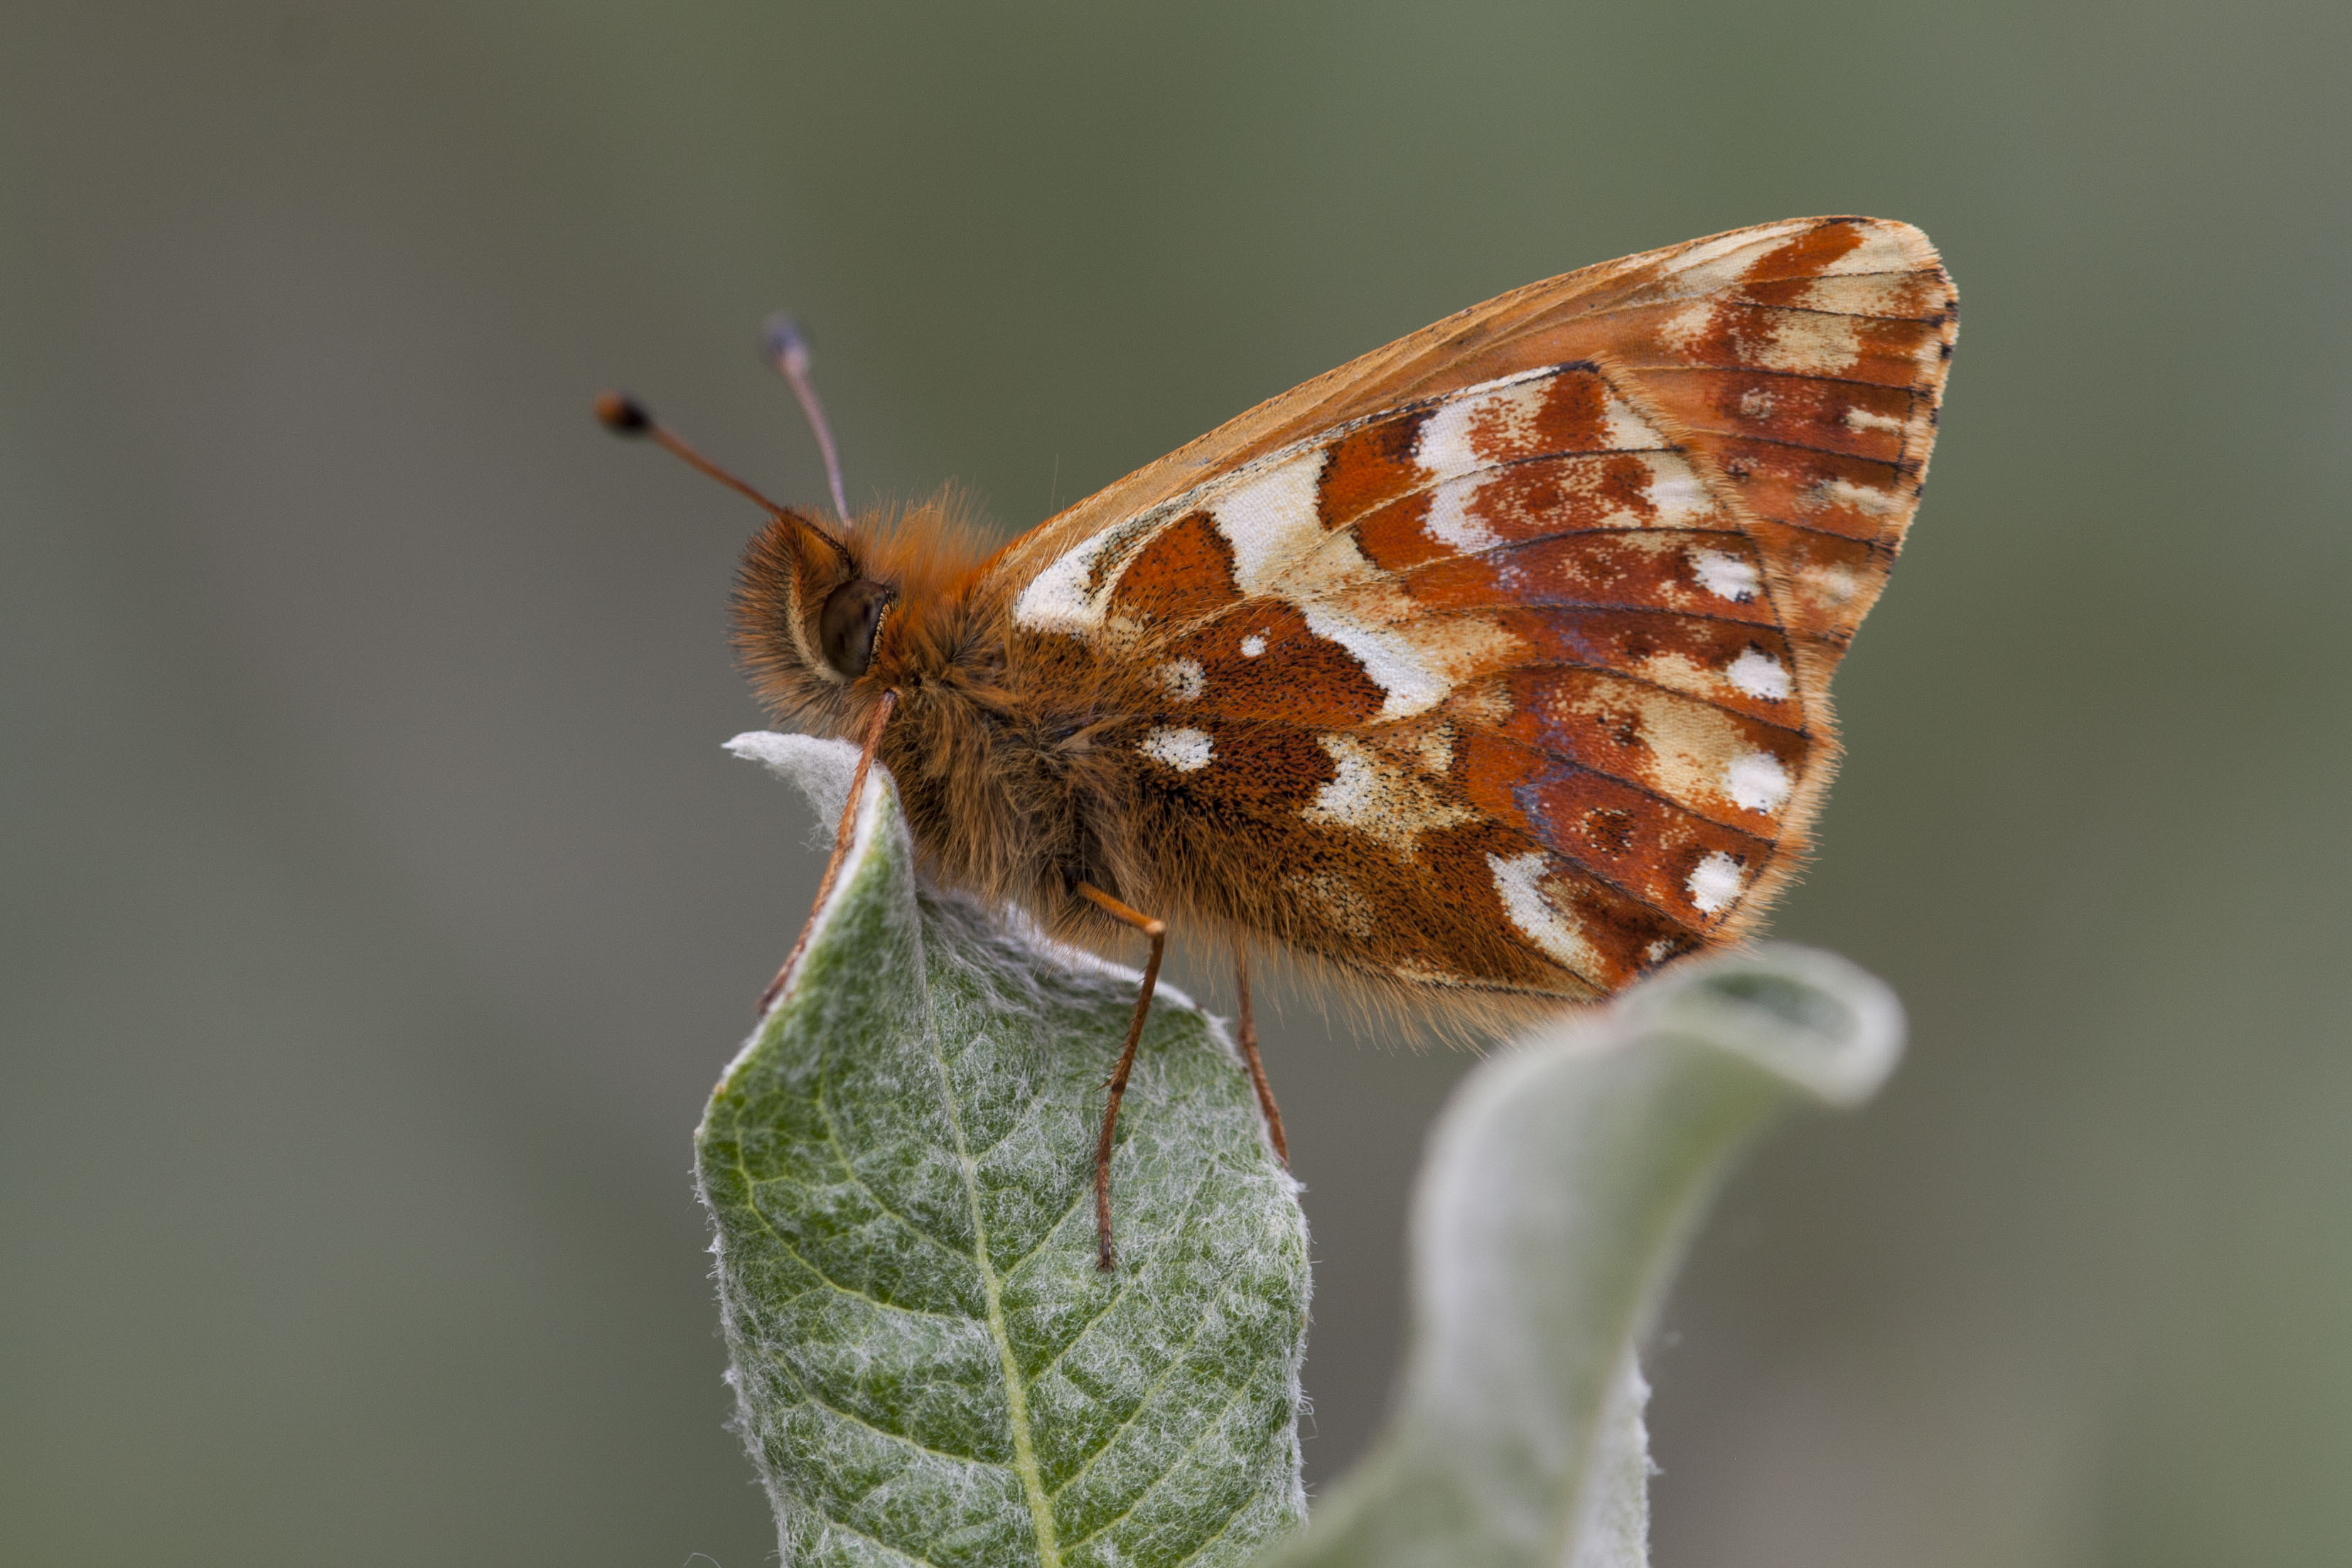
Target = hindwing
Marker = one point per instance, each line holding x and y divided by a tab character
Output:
1504	650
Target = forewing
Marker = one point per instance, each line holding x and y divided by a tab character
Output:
1509	643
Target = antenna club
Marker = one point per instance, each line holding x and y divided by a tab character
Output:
787	345
623	415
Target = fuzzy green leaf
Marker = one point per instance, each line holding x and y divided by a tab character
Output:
929	1367
1554	1204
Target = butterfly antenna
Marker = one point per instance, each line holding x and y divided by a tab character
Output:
788	349
624	416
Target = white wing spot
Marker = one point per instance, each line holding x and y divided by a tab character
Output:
1884	248
1731	577
1871	500
1760	675
1498	421
1677	492
1271	520
1184	678
1451	522
1519	881
1715	883
1807	343
1830	584
1391	657
1186	751
1252	645
1380	796
1879	294
1659	951
1864	419
1354	793
1493	415
1757	782
1726	257
1062	598
1281	550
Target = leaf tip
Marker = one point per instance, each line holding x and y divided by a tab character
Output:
821	769
1820	1022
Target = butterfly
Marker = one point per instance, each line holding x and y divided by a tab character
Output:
1486	674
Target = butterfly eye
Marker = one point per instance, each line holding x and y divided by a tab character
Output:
849	623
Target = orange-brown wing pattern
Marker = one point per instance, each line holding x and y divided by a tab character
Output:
1514	674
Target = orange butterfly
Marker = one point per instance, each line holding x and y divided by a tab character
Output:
1488	672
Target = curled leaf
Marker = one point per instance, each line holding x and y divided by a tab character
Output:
1559	1191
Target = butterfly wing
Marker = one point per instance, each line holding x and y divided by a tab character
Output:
1499	658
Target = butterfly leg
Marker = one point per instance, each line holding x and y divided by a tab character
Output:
841	836
1157	932
1248	1032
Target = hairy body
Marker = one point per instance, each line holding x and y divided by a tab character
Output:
1014	764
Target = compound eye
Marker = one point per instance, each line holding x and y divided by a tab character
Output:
846	627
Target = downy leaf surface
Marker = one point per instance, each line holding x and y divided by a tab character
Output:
929	1367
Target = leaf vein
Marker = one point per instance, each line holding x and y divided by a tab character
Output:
1173	1464
1224	1527
1046	1235
916	1444
827	1281
833	1138
1016	1395
848	1529
1143	1403
1134	1276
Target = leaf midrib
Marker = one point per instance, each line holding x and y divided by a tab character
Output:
1016	1391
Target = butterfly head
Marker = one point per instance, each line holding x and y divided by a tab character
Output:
807	617
817	613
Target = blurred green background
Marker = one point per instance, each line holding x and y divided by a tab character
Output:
379	906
